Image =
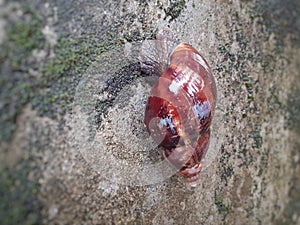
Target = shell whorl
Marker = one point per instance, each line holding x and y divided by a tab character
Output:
180	109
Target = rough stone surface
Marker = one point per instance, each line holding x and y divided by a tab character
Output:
73	146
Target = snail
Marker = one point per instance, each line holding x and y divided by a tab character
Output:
181	104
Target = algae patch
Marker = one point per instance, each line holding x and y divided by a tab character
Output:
222	207
16	85
23	35
62	73
19	203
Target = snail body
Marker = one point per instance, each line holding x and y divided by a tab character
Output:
180	108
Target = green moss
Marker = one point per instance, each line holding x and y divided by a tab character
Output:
23	36
53	93
62	73
16	86
221	205
18	200
76	55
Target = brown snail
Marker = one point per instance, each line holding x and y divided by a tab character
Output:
180	107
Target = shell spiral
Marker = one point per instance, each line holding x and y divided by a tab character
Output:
180	108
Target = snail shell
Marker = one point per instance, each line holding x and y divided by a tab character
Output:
180	108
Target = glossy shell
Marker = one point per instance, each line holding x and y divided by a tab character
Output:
180	108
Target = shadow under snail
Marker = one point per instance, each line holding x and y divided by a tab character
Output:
181	104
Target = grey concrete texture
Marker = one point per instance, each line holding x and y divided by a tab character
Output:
72	106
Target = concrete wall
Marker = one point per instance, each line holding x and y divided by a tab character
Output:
73	146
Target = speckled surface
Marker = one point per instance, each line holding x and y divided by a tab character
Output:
73	146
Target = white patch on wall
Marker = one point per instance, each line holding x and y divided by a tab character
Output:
50	35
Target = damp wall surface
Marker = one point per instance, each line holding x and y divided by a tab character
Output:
72	97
